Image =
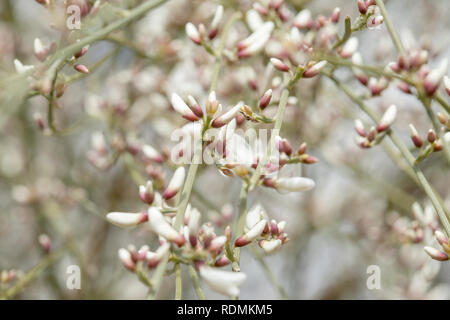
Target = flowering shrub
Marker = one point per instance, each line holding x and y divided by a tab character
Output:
219	133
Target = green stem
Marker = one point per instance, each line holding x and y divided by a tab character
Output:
196	281
178	282
243	196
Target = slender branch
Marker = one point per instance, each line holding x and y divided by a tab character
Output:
243	196
178	282
196	281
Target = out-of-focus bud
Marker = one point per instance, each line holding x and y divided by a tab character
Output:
314	70
193	33
438	146
362	6
294	184
436	254
45	242
387	119
227	116
377	86
175	183
182	108
372	134
434	78
228	233
81	68
280	65
151	153
153	258
125	258
39	120
81	53
256	41
335	15
447	84
21	68
126	219
415	137
270	246
222	261
374	21
146	193
360	75
302	149
40	51
303	19
253	19
217	244
193	226
215	22
265	99
224	282
162	227
406	88
252	234
431	136
441	237
359	127
349	48
195	107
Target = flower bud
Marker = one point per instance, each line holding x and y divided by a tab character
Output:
256	41
387	119
441	237
294	184
175	183
125	219
212	104
21	68
265	99
217	244
436	254
193	226
40	51
125	258
349	48
215	22
280	65
193	34
195	107
252	234
153	258
146	193
227	116
431	136
270	246
224	282
222	261
362	6
314	70
162	227
417	140
303	19
433	79
447	84
181	107
359	127
45	242
81	68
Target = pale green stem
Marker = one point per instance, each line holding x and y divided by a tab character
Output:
178	282
196	281
243	196
157	277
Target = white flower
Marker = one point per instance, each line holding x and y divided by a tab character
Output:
227	116
193	33
387	119
175	183
21	68
126	219
181	107
302	19
217	17
255	215
224	282
270	246
253	19
251	234
349	47
256	41
294	184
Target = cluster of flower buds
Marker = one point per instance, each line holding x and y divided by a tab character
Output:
408	231
199	35
131	256
436	254
366	139
433	143
270	235
287	156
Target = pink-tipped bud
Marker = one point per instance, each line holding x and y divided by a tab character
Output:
252	234
431	136
406	88
433	79
81	68
387	119
45	242
175	183
217	244
362	6
146	193
215	22
161	226
195	107
227	116
314	70
265	99
82	52
193	33
436	254
349	48
40	51
438	146
182	108
415	137
125	258
270	246
222	261
228	233
125	219
335	15
280	65
359	127
375	21
274	227
441	237
193	226
447	84
303	19
294	184
302	149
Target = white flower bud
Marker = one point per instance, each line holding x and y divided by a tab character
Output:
193	34
182	108
314	70
227	116
253	19
256	41
436	254
270	246
349	47
126	219
175	183
433	79
160	226
447	84
151	153
294	184
387	119
21	68
255	215
252	234
217	243
217	17
303	19
224	282
125	258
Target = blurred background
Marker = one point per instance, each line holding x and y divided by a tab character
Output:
353	218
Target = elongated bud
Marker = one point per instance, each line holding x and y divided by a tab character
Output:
125	258
441	237
360	75
415	137
193	226
375	21
294	184
301	149
217	244
222	261
270	246
212	104
162	227
228	233
256	41
182	108
125	219
349	48
303	19
335	15
387	119
45	242
40	51
224	282
82	52
280	65
153	258
227	116
146	193
436	254
433	79
215	22
252	234
81	68
193	33
362	6
195	107
175	183
447	84
265	99
151	153
21	68
314	70
359	127
431	136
